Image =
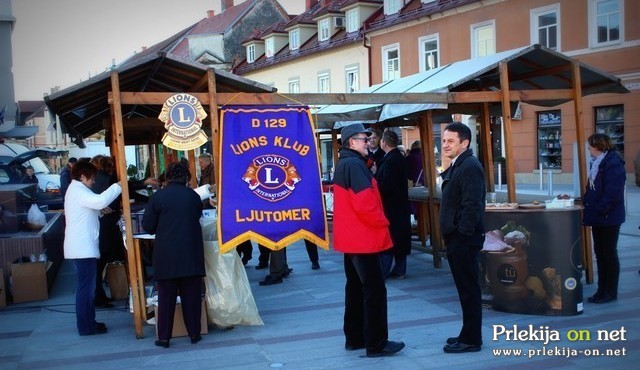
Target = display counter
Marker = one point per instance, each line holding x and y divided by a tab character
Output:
531	262
25	242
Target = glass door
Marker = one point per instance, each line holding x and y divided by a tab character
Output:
610	121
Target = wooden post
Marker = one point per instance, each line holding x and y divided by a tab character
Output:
136	279
192	168
215	124
582	165
487	152
334	147
506	119
425	128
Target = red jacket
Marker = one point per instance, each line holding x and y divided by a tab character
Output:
359	224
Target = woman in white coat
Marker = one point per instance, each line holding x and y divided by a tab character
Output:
82	210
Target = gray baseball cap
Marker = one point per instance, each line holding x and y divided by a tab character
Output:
348	131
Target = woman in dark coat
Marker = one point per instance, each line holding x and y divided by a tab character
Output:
604	212
173	215
392	182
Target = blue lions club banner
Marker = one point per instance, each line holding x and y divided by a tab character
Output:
270	185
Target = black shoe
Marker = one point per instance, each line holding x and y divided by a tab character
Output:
261	266
270	280
162	343
98	330
196	339
101	325
390	349
452	340
459	347
286	273
353	347
315	265
602	299
394	275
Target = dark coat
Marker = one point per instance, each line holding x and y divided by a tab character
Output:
414	166
604	203
392	183
376	156
463	201
359	224
65	180
173	214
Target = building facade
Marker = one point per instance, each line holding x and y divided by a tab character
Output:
412	36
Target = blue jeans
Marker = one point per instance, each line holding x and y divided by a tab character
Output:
86	270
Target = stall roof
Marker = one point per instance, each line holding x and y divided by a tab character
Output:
530	68
83	108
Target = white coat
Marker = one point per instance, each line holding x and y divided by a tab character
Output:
82	210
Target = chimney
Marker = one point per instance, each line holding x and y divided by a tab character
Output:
210	13
310	4
226	4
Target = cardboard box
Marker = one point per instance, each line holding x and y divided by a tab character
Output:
29	281
179	330
117	279
3	295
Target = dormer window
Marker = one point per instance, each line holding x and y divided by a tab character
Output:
251	53
294	39
392	6
269	45
353	20
324	29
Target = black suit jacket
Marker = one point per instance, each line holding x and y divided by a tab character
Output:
463	202
173	214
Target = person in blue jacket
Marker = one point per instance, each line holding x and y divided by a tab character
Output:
604	212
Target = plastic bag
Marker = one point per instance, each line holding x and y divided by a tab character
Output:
35	216
229	298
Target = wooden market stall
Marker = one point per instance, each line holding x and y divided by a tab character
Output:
127	101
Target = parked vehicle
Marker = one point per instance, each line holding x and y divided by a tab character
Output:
14	158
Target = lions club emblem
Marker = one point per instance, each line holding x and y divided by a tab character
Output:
182	115
271	177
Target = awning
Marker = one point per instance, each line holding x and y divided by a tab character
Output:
19	132
530	68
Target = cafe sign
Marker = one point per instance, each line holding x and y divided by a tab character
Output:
182	115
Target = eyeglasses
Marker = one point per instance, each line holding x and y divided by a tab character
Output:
365	139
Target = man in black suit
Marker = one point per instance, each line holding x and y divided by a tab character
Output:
374	152
461	213
173	215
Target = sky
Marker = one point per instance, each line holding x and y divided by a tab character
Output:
64	42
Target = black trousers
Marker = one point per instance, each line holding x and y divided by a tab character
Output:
190	291
463	261
365	302
312	252
605	247
245	251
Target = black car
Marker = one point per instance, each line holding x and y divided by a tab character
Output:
12	169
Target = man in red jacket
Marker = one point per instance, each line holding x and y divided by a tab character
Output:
361	231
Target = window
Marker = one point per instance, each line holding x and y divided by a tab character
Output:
610	121
392	6
324	31
251	53
390	62
545	26
605	22
353	79
483	39
429	55
294	39
324	82
269	45
353	20
294	85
